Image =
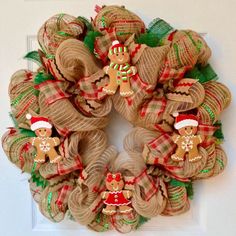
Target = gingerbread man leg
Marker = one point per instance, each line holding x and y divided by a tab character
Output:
109	210
53	156
125	209
178	155
40	157
113	85
194	155
125	89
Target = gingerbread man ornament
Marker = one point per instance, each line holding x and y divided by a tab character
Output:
44	143
119	70
116	197
187	141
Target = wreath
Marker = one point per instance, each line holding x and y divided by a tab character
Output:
156	77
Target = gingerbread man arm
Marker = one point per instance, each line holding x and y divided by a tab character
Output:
134	70
176	138
34	141
56	141
127	194
199	139
105	194
106	69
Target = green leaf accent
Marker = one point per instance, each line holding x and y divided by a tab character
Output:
86	22
90	38
202	74
142	220
160	28
187	185
33	56
149	39
219	132
37	178
189	189
13	119
27	132
42	77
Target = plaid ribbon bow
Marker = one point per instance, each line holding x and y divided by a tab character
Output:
53	90
168	73
145	180
158	150
91	87
155	106
207	131
103	43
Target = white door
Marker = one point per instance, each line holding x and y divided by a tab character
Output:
213	209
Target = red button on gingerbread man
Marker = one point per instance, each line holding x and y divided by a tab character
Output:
116	197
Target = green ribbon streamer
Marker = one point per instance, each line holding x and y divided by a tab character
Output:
202	74
142	220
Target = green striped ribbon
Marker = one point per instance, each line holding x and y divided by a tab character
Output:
49	198
220	162
197	45
177	53
130	222
20	96
210	112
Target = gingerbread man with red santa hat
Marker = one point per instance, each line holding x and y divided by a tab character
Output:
187	141
44	143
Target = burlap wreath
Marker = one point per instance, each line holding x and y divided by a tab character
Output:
67	89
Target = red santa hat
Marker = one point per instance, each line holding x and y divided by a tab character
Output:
117	47
183	120
38	122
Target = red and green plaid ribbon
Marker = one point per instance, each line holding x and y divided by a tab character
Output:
91	87
154	106
161	147
102	43
146	181
65	169
168	73
53	90
64	195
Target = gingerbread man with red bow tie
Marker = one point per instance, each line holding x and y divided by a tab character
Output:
116	197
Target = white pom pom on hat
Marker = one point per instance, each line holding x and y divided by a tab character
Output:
175	114
28	116
115	42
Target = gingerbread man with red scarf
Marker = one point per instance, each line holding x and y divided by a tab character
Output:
116	196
